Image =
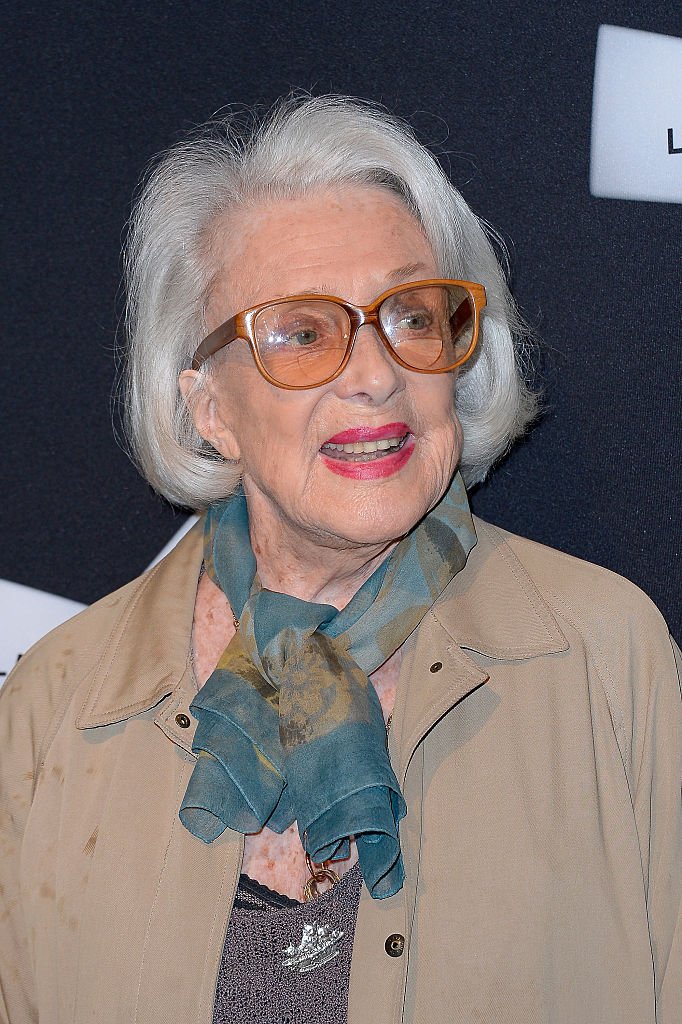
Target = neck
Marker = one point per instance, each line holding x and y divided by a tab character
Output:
317	568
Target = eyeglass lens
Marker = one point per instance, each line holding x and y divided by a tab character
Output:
304	342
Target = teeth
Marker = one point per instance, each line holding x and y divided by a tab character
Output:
366	447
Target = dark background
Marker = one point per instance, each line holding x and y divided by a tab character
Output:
501	91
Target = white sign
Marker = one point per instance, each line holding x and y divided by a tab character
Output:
637	116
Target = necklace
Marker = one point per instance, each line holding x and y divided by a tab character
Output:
318	873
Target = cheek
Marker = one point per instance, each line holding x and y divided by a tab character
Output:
447	448
442	428
272	427
436	403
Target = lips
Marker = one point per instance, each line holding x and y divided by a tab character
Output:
368	453
382	433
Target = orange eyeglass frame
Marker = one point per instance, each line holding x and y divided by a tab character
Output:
241	326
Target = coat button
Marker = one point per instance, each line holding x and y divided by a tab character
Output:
183	721
395	944
436	667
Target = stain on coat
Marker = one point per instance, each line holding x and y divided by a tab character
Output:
89	847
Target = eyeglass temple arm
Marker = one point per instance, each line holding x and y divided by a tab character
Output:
222	336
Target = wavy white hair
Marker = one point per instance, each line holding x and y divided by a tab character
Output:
302	145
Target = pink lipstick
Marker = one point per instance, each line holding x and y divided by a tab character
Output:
381	433
368	453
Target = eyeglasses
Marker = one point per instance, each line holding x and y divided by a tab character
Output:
304	341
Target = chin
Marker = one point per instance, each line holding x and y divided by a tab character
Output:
375	526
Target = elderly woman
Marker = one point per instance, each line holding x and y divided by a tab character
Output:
346	754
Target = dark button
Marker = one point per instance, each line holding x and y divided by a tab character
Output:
395	944
436	667
183	721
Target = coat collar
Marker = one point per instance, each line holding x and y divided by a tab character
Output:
491	607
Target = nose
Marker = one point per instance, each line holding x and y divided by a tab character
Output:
371	376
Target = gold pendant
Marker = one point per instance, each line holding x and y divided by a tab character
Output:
318	873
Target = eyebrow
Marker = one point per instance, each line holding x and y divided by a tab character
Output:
396	276
402	273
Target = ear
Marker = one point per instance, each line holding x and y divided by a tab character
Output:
207	414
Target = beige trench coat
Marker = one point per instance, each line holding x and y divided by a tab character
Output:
537	739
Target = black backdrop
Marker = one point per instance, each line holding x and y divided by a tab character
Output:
503	91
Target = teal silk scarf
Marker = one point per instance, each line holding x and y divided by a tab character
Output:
289	726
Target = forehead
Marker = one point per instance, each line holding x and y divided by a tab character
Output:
347	241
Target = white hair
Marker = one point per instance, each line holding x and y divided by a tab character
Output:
303	145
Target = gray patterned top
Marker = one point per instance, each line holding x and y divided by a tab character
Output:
285	962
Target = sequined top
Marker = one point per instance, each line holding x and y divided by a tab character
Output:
285	962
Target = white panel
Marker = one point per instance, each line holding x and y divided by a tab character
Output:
637	107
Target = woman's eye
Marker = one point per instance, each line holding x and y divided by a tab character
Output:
302	337
417	321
